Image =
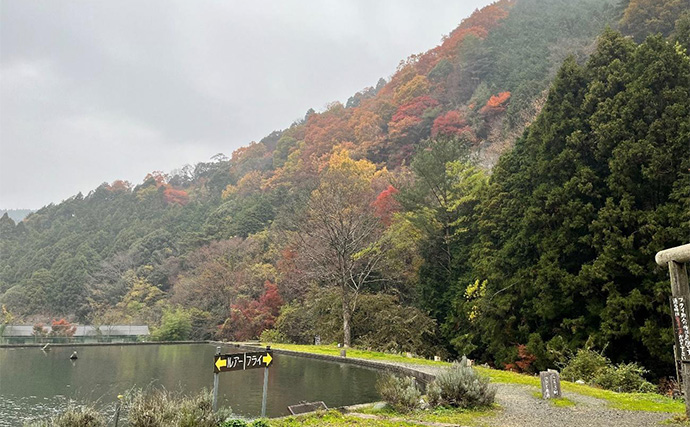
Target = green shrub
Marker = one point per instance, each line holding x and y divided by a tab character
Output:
400	393
626	377
158	407
461	386
595	369
259	423
296	323
73	416
585	365
274	336
176	325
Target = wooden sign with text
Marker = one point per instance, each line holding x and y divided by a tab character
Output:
679	311
241	361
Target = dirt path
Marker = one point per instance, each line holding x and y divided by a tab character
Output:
521	408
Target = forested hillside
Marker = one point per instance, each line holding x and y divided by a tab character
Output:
380	222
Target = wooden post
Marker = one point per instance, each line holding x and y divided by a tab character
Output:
677	258
679	287
215	385
265	391
265	394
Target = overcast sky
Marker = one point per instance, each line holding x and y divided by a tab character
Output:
93	91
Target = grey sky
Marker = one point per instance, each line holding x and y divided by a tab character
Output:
96	91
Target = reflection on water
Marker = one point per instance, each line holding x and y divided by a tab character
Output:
35	383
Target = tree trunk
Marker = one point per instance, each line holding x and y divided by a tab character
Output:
347	316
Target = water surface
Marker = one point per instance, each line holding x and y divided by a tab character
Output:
34	383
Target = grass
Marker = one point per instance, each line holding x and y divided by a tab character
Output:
561	402
437	415
650	402
385	418
333	419
678	420
333	350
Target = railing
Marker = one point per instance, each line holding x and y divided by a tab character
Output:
677	259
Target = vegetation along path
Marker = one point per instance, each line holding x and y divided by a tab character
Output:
521	404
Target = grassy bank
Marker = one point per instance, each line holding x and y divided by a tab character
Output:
651	402
385	418
333	350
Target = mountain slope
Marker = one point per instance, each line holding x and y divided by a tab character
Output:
218	239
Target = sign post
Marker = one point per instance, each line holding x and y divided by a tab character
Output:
264	394
215	384
677	259
242	362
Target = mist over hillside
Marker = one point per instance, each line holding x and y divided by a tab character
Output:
16	214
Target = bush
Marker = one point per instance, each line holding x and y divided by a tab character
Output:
400	393
595	369
73	416
154	408
461	386
295	323
176	325
626	377
585	365
273	336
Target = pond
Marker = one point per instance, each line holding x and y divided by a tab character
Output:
34	383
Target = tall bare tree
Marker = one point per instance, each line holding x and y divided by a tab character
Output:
340	239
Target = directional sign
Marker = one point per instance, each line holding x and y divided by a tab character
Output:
241	361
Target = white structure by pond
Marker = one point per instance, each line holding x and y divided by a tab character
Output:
18	334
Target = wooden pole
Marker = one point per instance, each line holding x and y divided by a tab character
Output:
265	394
680	288
677	259
215	385
265	391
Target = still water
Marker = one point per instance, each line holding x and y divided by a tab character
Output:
34	383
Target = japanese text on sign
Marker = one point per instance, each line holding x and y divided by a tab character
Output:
681	327
241	361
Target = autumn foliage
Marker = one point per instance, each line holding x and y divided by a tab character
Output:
248	318
524	361
385	205
451	124
496	104
62	328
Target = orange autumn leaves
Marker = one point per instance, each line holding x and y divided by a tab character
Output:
384	124
496	104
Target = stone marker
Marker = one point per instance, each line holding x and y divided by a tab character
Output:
437	358
343	353
317	340
550	384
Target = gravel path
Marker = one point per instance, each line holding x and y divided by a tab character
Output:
520	408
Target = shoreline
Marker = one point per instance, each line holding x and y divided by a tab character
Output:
96	344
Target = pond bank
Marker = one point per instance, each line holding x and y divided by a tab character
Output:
98	344
423	376
517	394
